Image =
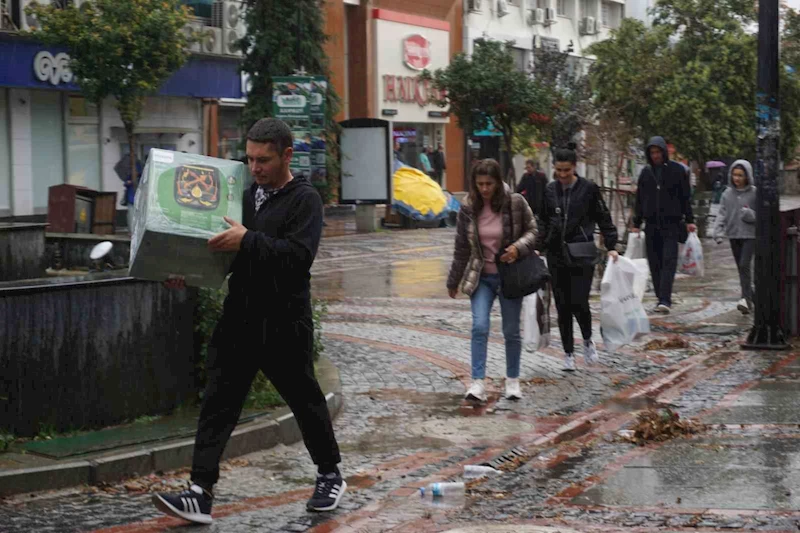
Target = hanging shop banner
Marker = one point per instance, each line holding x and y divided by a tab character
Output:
318	87
291	102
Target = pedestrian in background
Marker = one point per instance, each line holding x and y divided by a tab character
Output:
438	162
737	220
573	207
532	186
493	225
663	203
425	162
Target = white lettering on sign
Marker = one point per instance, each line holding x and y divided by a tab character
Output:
291	100
53	69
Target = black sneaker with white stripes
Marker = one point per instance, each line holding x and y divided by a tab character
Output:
193	504
329	491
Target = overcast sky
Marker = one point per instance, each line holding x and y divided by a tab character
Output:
794	3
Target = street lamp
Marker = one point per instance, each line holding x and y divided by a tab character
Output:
767	333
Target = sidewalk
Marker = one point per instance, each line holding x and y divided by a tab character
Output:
113	454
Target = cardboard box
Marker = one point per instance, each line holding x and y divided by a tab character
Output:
179	205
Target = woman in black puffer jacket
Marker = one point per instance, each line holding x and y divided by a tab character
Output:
573	206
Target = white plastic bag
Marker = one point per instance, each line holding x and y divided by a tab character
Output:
622	317
536	320
690	259
641	278
635	247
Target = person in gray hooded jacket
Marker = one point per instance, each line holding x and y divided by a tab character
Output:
737	220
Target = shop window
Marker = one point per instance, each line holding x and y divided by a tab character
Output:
83	146
231	133
47	142
5	156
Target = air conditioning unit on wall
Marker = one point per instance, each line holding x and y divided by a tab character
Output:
550	16
29	22
535	17
228	15
588	26
473	6
211	40
502	8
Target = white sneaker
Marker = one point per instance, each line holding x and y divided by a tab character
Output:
590	353
743	307
569	363
477	391
513	391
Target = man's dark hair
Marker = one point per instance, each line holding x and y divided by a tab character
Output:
532	163
273	131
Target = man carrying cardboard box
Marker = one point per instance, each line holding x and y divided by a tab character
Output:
266	324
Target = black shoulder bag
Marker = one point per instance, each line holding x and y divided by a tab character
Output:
577	254
524	276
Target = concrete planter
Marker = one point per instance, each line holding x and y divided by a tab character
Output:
91	351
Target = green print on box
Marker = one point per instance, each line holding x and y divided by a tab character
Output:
180	204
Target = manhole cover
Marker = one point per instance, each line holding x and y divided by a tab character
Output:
474	428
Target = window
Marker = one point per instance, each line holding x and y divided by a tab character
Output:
561	7
231	133
520	59
5	157
606	14
541	4
83	146
47	141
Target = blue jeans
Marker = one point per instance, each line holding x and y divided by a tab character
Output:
511	309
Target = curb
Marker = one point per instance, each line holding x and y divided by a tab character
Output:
247	438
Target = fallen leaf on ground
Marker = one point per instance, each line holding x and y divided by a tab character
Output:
671	343
659	425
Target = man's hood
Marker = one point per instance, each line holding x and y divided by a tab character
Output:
748	170
659	142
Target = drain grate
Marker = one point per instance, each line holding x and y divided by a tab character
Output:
511	458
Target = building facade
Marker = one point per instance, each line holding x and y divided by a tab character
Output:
377	51
50	134
530	24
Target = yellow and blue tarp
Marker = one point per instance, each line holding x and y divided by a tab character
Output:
417	196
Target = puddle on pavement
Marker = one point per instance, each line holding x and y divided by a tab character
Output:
378	441
722	473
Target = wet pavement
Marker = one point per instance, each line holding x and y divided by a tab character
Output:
402	347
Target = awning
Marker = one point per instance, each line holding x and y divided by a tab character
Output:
117	130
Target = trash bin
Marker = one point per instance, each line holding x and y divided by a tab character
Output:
75	209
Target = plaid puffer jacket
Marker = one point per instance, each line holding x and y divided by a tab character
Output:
468	256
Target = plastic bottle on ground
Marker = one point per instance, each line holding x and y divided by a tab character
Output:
436	491
478	471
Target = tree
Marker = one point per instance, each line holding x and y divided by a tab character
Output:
124	50
281	38
562	75
692	78
487	89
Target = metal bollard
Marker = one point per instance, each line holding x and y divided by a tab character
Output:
790	275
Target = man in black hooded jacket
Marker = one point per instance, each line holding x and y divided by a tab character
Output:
663	203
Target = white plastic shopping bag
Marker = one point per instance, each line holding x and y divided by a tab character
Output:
536	320
635	247
641	277
622	317
690	259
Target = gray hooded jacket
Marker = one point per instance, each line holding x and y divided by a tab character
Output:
736	218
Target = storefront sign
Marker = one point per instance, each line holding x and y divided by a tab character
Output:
52	69
409	89
389	112
29	64
437	114
416	52
300	102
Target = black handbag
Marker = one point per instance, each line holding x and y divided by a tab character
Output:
524	276
578	254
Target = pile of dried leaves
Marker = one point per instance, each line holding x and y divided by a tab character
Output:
671	343
659	425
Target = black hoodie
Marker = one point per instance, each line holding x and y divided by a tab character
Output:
663	202
270	275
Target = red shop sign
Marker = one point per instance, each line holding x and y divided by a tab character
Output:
416	52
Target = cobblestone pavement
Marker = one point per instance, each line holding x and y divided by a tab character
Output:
402	348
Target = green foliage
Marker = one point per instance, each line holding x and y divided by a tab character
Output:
6	439
486	88
208	311
122	50
692	78
281	38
